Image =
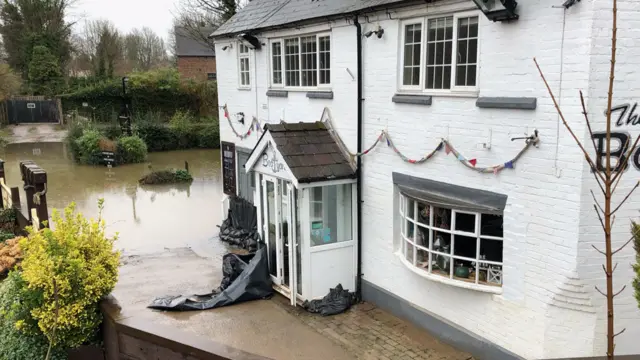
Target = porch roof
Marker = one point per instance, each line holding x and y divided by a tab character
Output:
310	152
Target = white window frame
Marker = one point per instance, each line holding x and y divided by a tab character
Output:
428	272
421	88
284	85
241	56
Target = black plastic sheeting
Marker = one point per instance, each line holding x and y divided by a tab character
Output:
241	226
337	301
245	278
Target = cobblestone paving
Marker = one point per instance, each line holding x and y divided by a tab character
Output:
371	333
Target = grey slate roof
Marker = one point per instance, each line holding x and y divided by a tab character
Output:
186	45
310	152
260	14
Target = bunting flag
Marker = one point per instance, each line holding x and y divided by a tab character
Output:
254	121
471	163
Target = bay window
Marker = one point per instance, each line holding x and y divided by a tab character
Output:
303	62
440	54
459	245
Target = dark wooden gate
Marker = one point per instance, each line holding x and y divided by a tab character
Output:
33	109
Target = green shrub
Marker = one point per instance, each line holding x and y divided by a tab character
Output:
15	304
131	150
159	137
166	177
111	131
88	147
67	270
8	221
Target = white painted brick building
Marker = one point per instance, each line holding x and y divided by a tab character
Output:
547	306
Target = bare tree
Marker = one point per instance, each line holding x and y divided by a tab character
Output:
146	48
193	17
608	181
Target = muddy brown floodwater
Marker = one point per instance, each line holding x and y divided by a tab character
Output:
147	218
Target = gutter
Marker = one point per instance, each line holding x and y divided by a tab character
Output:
359	159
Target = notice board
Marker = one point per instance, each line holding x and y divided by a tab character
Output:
228	152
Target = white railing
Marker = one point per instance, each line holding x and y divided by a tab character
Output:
6	194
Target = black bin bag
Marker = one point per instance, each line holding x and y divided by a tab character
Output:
245	278
240	228
337	301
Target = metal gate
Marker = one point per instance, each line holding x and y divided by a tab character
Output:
32	110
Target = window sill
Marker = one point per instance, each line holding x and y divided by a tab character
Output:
244	88
320	95
451	282
277	93
412	99
518	103
459	94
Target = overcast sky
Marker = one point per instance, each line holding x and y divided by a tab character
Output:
127	14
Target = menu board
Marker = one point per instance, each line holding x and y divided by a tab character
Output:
228	152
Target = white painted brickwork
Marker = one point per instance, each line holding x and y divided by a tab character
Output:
548	307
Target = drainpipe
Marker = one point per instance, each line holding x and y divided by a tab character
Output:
359	160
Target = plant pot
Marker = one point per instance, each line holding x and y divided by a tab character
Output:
461	272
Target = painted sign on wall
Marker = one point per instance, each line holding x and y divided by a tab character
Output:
228	152
621	115
271	161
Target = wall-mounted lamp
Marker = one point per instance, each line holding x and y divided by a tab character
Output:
227	47
498	10
251	41
569	3
379	32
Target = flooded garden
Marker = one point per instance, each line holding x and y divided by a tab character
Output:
147	217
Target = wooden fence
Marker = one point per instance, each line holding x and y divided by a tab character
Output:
34	179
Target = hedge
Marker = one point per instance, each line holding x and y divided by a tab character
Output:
160	91
159	137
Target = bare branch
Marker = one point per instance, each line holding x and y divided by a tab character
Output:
614	268
621	290
623	330
603	294
613	220
622	247
615	186
605	270
596	201
626	198
566	125
586	118
598	250
598	180
600	218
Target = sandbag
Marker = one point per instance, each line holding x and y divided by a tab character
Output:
245	278
337	301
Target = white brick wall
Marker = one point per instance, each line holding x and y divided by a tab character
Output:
549	224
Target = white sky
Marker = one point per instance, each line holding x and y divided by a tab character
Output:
127	14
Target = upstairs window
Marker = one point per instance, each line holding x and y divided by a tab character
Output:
303	61
244	74
440	54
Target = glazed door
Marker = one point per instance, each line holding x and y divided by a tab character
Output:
277	229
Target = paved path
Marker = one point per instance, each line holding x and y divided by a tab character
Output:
368	332
269	328
31	133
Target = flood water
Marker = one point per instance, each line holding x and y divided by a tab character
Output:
147	218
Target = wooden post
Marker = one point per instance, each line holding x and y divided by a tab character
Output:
2	205
186	166
41	206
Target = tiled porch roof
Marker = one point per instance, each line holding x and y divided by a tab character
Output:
311	152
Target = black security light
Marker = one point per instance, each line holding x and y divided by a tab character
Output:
498	10
569	3
226	47
250	41
378	33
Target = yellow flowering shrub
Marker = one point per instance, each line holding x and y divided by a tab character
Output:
70	268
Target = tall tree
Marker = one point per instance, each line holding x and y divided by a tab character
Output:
193	16
9	82
26	24
102	45
145	49
45	76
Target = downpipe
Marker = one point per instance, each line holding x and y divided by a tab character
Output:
359	159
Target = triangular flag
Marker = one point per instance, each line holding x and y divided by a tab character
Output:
226	111
460	157
447	149
249	132
412	161
473	162
509	164
439	147
495	170
388	142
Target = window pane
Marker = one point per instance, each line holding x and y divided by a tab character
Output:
325	60
466	222
431	54
409	252
438	77
439	46
309	64
430	77
462	51
446	79
441	265
410	209
491	225
330	213
412	54
472	51
471	75
442	242
465	246
423	213
460	75
276	62
439	53
447	52
406	77
422	237
442	218
422	260
490	250
292	62
473	26
463	28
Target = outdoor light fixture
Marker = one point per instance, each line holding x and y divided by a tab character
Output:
569	3
498	10
250	40
378	32
226	47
